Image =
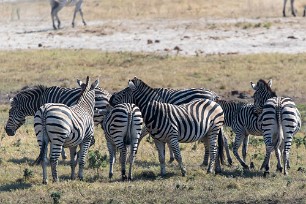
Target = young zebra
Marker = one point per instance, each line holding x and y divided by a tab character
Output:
172	96
66	126
184	123
280	121
28	101
243	121
57	5
122	126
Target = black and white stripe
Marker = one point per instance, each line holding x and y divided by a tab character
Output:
184	123
122	127
240	117
28	101
280	121
64	126
166	95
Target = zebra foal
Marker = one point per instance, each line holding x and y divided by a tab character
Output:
280	121
57	5
64	126
122	126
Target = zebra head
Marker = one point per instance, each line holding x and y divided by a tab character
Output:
16	117
262	93
88	92
25	103
123	96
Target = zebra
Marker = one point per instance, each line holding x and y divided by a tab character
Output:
60	125
293	11
29	100
57	5
240	117
180	123
122	126
280	121
172	96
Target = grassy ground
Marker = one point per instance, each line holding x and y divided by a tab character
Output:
21	183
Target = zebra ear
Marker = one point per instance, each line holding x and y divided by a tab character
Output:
131	85
253	85
270	82
81	84
94	85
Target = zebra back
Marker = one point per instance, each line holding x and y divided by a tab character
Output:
166	95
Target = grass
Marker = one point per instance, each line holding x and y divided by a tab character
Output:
219	73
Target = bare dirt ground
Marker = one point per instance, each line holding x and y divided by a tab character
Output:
185	37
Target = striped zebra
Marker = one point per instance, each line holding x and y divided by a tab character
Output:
172	96
64	126
240	117
28	101
180	123
280	121
57	5
122	126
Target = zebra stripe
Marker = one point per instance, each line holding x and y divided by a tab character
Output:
240	117
184	123
64	126
280	121
29	100
122	127
166	95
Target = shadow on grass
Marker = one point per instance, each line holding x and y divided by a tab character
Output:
146	164
36	31
15	186
23	160
242	173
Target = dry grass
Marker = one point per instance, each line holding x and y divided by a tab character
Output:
219	73
138	9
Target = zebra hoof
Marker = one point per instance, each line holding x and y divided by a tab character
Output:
124	178
252	166
55	180
266	173
230	162
279	169
245	167
45	182
110	176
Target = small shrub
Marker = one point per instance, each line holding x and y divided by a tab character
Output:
27	174
56	196
97	160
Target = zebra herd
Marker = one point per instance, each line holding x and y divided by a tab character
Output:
65	117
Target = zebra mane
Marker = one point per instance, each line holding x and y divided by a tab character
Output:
239	103
267	87
27	89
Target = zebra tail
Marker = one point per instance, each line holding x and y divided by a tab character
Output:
221	146
43	145
128	137
280	137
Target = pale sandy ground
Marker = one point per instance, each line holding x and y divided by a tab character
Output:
184	37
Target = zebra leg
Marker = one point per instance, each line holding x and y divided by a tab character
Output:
284	8
112	155
227	151
44	165
64	155
55	151
245	147
133	152
206	151
288	140
161	155
123	162
73	161
170	153
82	154
177	153
266	162
237	143
278	157
81	14
77	9
292	8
